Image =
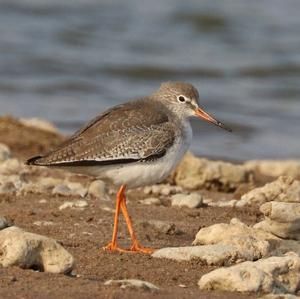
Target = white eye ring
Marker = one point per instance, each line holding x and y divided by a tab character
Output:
181	99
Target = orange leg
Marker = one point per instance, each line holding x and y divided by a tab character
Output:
136	247
112	246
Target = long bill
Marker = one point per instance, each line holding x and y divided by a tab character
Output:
201	113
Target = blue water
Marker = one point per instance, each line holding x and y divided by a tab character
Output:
67	60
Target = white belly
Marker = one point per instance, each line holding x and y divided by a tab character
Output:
143	173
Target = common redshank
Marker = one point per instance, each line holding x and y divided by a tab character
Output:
132	145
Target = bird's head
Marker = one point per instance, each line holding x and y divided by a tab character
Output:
183	100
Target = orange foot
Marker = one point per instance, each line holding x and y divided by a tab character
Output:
137	248
113	247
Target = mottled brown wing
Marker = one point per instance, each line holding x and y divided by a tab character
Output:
126	133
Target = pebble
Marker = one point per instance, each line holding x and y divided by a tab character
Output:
162	226
162	189
44	223
151	201
74	204
193	200
133	283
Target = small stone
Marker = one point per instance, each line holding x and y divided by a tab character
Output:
98	189
107	209
133	283
193	200
4	152
222	203
74	204
165	190
28	250
162	226
43	201
162	189
44	223
151	201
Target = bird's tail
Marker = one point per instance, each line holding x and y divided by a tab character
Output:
37	160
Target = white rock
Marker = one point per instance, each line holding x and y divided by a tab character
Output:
162	189
251	242
236	249
222	203
282	230
275	168
28	250
132	283
107	209
4	152
195	173
193	200
270	275
39	124
74	204
285	212
98	189
283	189
222	231
218	254
151	201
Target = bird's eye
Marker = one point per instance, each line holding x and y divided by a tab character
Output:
181	99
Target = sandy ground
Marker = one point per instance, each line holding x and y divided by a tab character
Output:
84	232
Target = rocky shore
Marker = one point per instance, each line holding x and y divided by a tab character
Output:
224	230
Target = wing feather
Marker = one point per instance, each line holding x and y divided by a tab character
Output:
126	133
